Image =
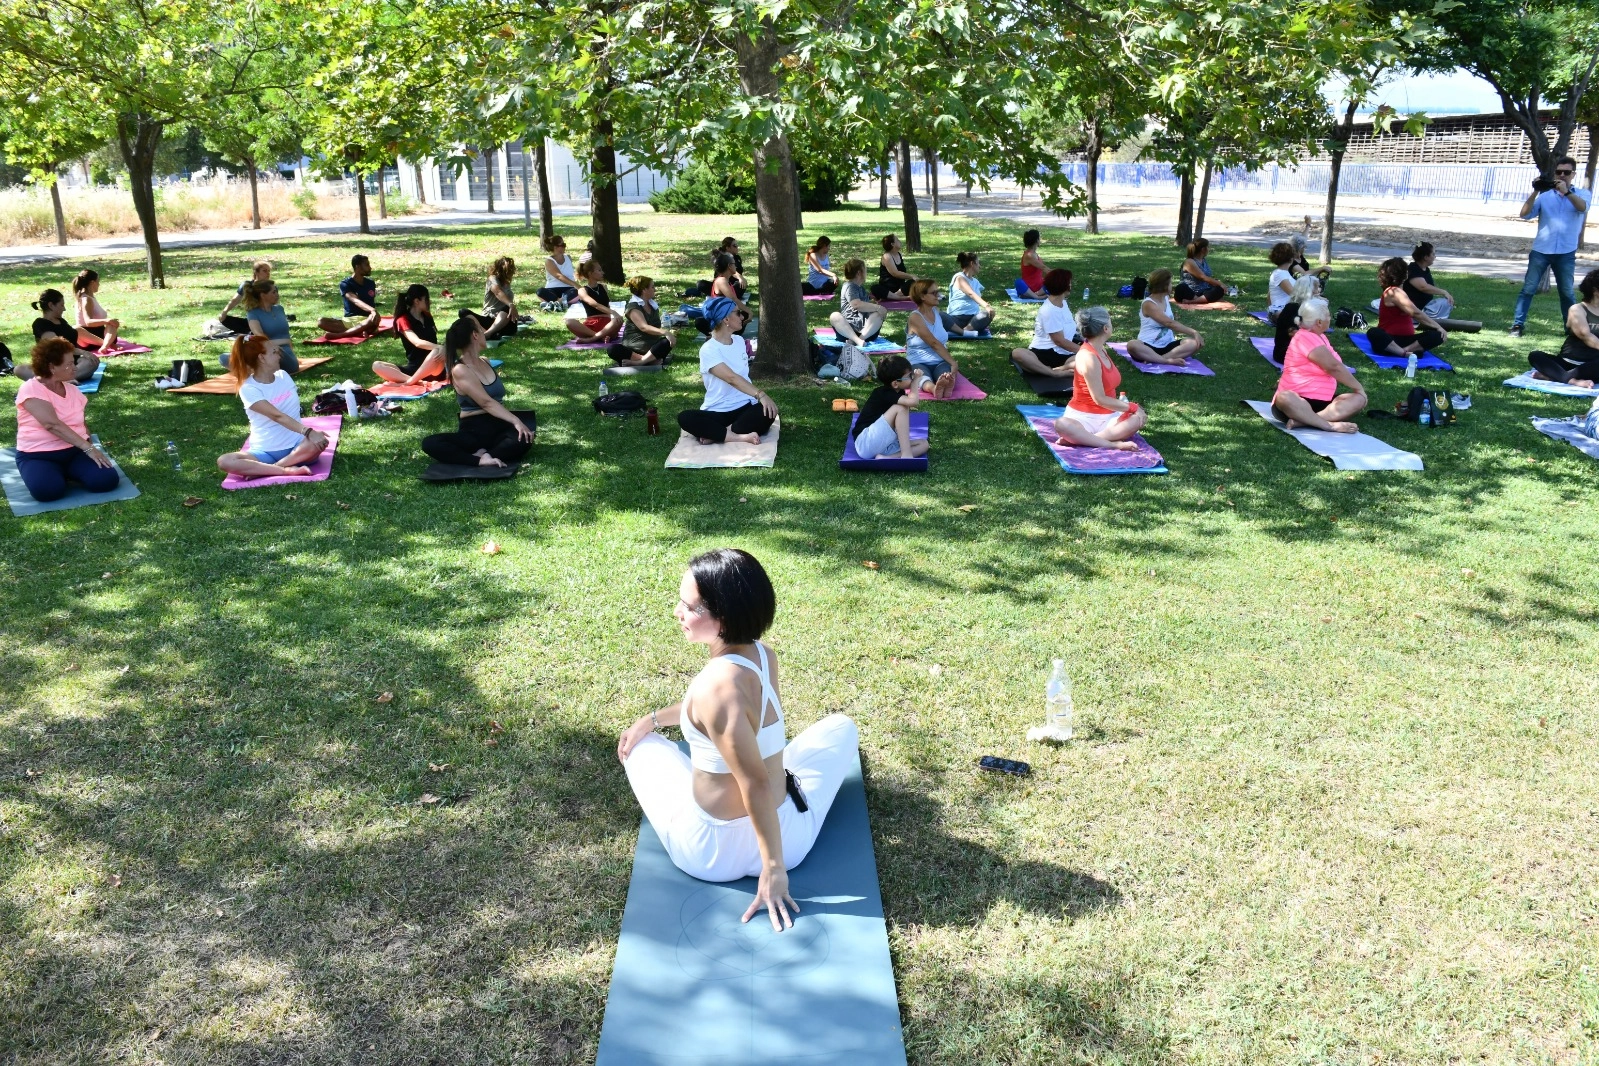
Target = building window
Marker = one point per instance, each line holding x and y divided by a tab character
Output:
446	183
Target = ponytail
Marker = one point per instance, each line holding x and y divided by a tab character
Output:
81	283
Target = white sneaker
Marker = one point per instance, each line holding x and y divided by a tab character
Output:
166	382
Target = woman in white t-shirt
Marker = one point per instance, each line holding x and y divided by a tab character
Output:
279	443
734	409
1054	331
1161	338
1281	285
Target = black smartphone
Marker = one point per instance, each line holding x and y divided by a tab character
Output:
1004	766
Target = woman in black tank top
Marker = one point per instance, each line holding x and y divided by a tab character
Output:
1578	361
488	434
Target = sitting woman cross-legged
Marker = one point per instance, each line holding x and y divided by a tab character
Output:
744	802
645	341
1577	362
1095	417
279	443
968	312
1157	340
883	429
1397	316
1281	283
591	317
1030	283
819	277
488	434
93	319
859	317
560	280
268	321
53	445
499	302
1307	393
1305	287
893	280
419	337
734	409
52	325
1054	331
1198	284
927	341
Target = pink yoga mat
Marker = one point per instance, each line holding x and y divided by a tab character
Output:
320	469
409	392
821	297
1188	366
964	390
577	346
124	347
896	305
385	325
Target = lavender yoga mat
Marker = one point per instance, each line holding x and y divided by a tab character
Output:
576	345
1040	419
320	469
1424	361
853	461
1188	366
1265	346
815	297
896	305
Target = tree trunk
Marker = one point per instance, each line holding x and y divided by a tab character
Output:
488	173
255	196
907	199
799	208
1204	201
1335	167
360	201
383	193
546	212
1185	209
882	184
61	218
1094	148
527	190
421	189
932	178
138	136
603	203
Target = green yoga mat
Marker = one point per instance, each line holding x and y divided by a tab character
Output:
692	985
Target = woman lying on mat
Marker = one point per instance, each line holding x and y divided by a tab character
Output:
52	325
1031	282
53	445
1305	287
560	280
927	341
1054	332
968	311
487	434
360	295
1307	393
267	320
734	409
819	277
419	337
1157	340
859	317
1397	316
645	341
883	429
1281	282
93	319
260	271
279	443
1095	417
590	317
893	281
744	802
1198	285
1577	363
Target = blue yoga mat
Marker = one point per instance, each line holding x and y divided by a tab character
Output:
694	987
1424	360
853	461
92	386
23	504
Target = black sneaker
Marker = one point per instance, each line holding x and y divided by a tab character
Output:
1515	331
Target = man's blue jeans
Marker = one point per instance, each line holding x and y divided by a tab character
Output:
1565	266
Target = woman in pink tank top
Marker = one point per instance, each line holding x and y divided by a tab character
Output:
1307	393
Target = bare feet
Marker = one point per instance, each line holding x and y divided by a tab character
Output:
488	460
1581	383
1343	427
744	438
295	471
1123	445
944	386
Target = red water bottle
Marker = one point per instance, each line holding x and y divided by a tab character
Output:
652	422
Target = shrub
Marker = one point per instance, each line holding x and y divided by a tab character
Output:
699	190
400	204
304	201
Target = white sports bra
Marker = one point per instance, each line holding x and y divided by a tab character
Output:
771	739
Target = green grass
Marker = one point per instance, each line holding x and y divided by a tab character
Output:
1334	800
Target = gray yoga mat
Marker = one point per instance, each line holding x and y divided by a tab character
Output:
694	987
22	501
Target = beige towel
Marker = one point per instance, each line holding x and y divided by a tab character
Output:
690	454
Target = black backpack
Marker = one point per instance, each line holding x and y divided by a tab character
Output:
821	356
625	402
1140	287
1344	318
188	371
1441	411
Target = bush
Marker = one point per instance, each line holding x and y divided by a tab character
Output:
400	204
699	190
304	201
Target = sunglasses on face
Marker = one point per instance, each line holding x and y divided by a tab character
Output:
1567	173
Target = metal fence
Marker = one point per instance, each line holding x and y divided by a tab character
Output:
1445	182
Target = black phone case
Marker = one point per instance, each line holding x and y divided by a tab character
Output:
1014	767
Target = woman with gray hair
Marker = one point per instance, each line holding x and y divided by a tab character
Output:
1307	393
1300	266
1096	417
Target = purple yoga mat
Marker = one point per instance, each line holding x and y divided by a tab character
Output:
1265	346
853	461
320	469
896	305
1189	366
818	297
576	345
1041	420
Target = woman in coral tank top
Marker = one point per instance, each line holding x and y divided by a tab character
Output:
1096	417
1307	393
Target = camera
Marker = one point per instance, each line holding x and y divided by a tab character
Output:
1542	184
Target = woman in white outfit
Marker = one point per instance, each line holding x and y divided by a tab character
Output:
742	803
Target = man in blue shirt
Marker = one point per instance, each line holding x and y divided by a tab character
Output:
1561	212
360	294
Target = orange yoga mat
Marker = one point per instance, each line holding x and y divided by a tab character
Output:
224	386
1214	305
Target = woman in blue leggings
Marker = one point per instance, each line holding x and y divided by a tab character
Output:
53	445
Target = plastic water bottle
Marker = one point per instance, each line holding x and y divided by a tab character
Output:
1085	294
1058	701
349	402
605	390
1425	417
1410	366
172	454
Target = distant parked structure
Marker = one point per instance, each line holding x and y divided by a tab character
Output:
1478	140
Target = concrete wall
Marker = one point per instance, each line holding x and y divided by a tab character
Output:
446	189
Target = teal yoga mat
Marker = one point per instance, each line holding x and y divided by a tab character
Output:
694	987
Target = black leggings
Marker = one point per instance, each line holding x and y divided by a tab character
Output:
1192	291
236	324
1428	338
621	353
880	289
827	288
507	330
1563	368
713	425
979	322
481	432
557	293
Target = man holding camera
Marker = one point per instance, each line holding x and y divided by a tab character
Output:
1561	212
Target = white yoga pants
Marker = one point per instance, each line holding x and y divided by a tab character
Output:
719	849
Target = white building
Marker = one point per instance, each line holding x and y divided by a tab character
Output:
443	187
